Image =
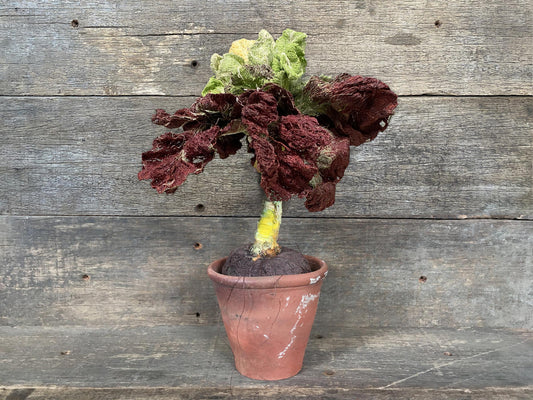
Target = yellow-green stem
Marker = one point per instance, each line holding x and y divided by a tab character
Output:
266	236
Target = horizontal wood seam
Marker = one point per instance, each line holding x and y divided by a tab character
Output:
253	388
427	95
421	219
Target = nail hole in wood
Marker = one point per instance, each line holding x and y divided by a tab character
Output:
74	23
197	315
319	336
194	63
438	23
85	277
198	246
423	279
329	372
199	207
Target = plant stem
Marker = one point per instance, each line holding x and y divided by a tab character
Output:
266	236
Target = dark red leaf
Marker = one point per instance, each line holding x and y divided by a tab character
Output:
164	164
295	173
220	102
355	106
321	197
259	110
303	134
333	159
284	98
267	164
199	149
228	145
175	156
295	154
180	117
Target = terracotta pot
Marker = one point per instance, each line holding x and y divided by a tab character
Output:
268	319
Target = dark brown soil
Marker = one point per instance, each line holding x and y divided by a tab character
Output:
288	262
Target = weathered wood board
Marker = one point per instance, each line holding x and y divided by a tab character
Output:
146	271
120	48
199	357
103	286
441	158
285	393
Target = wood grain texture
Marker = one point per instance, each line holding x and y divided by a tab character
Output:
287	393
440	158
199	357
119	48
103	291
146	271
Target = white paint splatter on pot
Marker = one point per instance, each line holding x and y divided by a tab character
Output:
306	299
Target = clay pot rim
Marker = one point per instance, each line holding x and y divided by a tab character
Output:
269	282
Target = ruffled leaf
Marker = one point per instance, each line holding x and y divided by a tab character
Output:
250	64
234	75
352	106
284	98
288	58
296	154
165	164
295	172
286	145
241	48
333	159
209	127
260	53
321	197
180	117
303	134
259	110
214	85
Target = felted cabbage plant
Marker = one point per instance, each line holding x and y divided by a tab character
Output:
298	131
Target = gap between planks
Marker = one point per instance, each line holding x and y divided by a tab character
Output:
385	218
452	96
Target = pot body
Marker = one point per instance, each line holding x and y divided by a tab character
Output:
268	320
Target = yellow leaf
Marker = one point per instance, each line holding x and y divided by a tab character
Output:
240	47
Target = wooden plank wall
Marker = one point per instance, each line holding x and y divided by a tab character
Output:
433	224
103	285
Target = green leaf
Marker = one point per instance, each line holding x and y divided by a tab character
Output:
281	61
214	85
288	61
215	62
224	68
260	52
229	64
